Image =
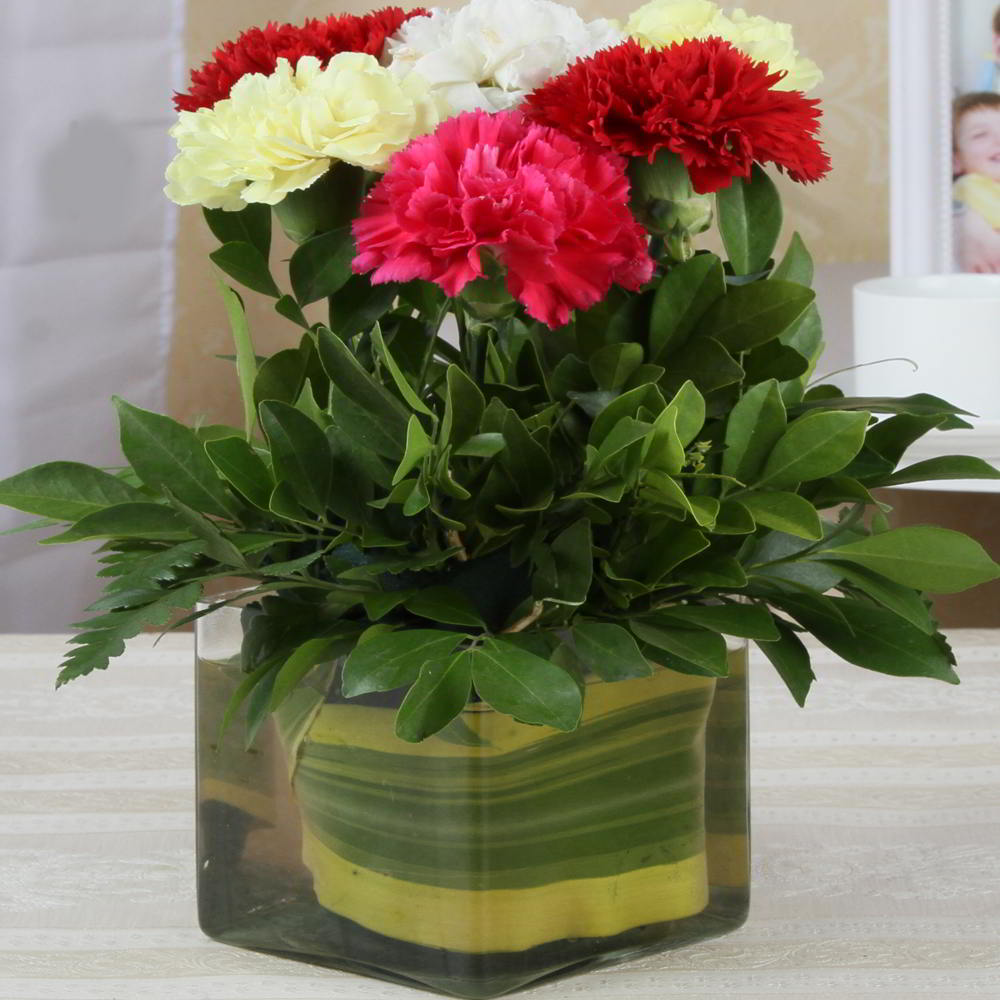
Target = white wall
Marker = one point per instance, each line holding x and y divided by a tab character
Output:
86	260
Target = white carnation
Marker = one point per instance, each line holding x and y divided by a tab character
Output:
280	133
490	54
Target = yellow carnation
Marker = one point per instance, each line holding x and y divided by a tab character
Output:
664	22
764	40
280	133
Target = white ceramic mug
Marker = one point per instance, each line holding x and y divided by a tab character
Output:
948	324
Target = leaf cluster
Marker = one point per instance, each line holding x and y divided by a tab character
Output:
500	519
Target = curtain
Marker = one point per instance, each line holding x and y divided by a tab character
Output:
86	256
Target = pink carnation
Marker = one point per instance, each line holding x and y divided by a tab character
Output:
553	212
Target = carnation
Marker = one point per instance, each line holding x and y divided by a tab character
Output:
490	53
280	133
703	100
258	50
665	22
552	211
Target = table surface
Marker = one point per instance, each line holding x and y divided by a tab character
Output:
876	815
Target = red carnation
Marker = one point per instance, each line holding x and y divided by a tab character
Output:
553	212
258	50
702	99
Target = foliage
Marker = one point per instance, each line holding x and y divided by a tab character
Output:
498	519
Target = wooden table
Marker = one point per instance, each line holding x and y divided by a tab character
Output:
876	844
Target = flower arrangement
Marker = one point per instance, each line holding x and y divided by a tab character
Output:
622	456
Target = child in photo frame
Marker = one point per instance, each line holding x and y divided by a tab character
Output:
976	143
990	78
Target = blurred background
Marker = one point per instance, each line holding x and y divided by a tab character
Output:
106	289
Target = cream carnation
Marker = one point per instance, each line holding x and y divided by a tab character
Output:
490	54
664	22
280	133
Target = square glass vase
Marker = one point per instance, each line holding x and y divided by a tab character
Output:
488	858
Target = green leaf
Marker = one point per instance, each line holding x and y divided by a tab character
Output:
925	558
920	404
246	360
392	660
774	360
418	500
65	491
786	512
243	468
289	309
379	604
300	454
145	569
755	426
438	695
250	683
250	225
946	467
418	446
359	304
214	543
280	377
814	446
103	638
322	265
734	519
682	298
750	217
625	434
806	338
445	604
400	380
370	439
873	637
689	405
518	683
720	571
628	404
613	364
698	648
565	569
356	384
904	601
480	446
35	525
287	567
609	651
706	363
779	557
657	556
245	263
163	452
463	409
748	621
751	315
796	265
151	521
891	438
791	659
306	657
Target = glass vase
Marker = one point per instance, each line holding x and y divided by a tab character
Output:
485	859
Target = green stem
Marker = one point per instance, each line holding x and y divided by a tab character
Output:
433	328
463	335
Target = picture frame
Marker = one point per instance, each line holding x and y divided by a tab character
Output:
920	88
941	50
